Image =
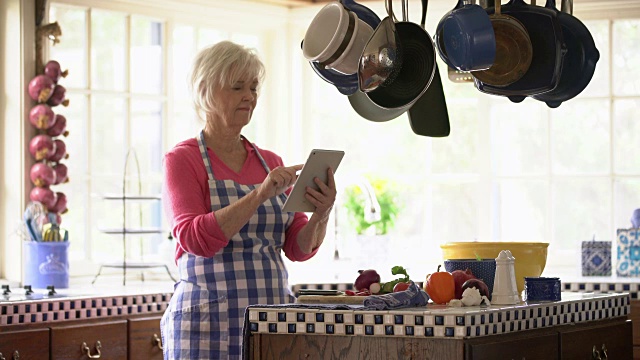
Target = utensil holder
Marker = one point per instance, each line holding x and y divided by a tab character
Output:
542	289
45	263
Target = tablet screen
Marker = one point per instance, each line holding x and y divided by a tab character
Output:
317	164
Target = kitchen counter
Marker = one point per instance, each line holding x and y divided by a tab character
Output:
566	329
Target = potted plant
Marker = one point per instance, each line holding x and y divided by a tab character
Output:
362	206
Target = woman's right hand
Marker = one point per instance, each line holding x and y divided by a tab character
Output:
278	181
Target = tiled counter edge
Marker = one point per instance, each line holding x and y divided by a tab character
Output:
64	309
439	323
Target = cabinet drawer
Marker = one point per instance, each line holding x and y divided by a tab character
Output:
634	316
579	343
520	346
29	344
67	341
144	339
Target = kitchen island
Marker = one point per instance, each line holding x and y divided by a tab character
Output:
572	328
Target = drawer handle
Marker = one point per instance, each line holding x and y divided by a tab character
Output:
595	354
604	352
2	357
85	349
16	355
156	341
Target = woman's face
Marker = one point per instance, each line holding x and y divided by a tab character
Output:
235	102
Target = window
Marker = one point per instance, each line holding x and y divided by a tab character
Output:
508	172
128	91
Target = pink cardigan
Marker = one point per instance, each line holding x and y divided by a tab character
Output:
188	206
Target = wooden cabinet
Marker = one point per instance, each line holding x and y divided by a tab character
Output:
614	339
24	344
562	342
635	319
144	338
81	341
541	346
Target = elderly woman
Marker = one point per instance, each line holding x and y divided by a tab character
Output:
224	197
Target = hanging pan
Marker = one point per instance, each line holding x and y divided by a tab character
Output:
513	51
418	67
579	62
548	46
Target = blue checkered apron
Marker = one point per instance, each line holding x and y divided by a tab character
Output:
205	315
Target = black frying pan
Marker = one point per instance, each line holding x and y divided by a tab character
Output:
547	41
579	62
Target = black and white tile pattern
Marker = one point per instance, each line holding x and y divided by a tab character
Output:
440	321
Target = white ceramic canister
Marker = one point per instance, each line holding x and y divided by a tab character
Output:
505	290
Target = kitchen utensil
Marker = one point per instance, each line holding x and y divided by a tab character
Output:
418	67
513	51
429	116
346	84
369	110
381	58
579	63
545	33
335	38
469	38
459	76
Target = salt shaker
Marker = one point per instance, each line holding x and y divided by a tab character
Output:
505	290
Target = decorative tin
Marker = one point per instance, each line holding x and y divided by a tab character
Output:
628	246
541	289
596	258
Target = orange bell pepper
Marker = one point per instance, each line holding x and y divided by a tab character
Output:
440	287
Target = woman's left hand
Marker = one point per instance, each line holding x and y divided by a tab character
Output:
325	198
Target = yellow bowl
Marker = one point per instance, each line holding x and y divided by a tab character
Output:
531	257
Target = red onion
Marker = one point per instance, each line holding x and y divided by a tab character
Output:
42	175
60	151
41	147
366	278
42	117
41	88
61	173
44	195
53	70
59	127
58	96
61	204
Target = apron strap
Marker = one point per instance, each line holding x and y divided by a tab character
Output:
205	155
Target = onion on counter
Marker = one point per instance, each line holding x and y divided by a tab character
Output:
365	279
60	205
41	88
42	175
61	173
42	117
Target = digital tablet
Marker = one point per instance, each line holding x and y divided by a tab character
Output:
317	164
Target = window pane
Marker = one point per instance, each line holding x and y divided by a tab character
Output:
455	211
627	199
626	130
108	137
146	135
457	153
71	52
182	58
580	211
599	85
207	37
580	137
626	58
108	37
520	142
523	210
146	56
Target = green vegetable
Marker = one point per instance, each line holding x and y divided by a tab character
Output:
477	256
396	270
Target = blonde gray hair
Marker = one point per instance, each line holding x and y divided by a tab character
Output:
221	64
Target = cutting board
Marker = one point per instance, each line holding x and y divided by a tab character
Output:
330	299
